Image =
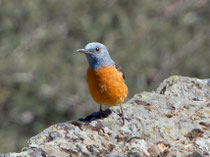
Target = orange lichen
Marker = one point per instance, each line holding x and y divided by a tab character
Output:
161	146
107	85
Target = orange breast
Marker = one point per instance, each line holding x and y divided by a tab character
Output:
106	85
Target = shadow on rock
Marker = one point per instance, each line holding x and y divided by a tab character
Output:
96	115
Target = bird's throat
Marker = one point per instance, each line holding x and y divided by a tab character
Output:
97	63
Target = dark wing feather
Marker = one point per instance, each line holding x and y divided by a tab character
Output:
120	70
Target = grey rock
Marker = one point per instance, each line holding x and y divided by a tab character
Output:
171	121
195	154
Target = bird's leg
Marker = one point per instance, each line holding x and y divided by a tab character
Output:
101	111
122	113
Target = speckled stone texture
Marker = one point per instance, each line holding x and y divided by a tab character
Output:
174	121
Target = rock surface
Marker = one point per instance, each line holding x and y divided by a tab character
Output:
174	120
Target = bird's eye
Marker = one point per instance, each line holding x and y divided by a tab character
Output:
97	49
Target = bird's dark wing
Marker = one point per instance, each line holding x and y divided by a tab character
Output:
120	70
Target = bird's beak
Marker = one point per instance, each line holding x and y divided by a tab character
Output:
83	50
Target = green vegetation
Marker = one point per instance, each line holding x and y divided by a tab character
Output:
42	78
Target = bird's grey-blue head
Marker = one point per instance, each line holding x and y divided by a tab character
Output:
97	55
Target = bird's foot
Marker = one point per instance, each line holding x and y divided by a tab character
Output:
102	114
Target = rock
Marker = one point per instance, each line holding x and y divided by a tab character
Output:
195	154
171	121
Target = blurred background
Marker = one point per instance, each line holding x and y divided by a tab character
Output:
43	79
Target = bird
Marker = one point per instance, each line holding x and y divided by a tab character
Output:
105	78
